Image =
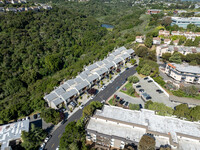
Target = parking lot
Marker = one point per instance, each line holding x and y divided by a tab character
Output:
150	88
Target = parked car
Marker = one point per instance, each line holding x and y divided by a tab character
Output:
127	68
141	90
38	115
42	146
146	78
73	104
35	116
121	102
126	104
92	97
103	101
57	148
138	86
81	106
27	118
149	81
117	87
148	97
159	91
47	138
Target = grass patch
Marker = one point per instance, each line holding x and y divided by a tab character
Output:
111	101
127	86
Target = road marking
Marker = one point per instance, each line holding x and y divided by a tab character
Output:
59	135
52	145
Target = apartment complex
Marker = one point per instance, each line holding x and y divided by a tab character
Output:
183	72
114	127
171	49
183	22
12	133
188	35
92	74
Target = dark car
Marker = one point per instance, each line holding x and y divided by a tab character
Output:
148	97
117	88
141	90
150	81
126	104
146	78
138	86
121	102
127	68
35	116
159	91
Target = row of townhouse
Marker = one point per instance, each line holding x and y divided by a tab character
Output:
141	39
92	74
21	9
12	1
114	127
188	35
183	72
160	50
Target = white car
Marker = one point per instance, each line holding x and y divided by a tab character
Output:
92	97
57	148
81	106
42	146
46	139
103	101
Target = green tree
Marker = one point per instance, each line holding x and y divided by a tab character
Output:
148	41
33	138
89	109
134	106
146	70
53	62
161	109
132	61
182	111
131	90
135	79
50	116
194	113
176	58
141	51
147	142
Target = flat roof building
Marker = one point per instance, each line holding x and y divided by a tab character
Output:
115	127
12	132
183	72
184	22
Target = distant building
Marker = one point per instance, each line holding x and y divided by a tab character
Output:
12	132
153	11
156	41
164	32
139	39
183	22
167	41
171	49
113	127
183	72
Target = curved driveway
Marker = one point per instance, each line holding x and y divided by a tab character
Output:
103	95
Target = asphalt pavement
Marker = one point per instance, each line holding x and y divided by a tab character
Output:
53	143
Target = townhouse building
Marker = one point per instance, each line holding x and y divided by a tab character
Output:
183	72
139	39
114	127
156	41
167	41
164	33
71	89
171	49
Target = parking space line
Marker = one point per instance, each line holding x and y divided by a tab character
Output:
52	145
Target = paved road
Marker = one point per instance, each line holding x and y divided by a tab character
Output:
103	95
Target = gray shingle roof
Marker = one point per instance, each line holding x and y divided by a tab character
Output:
84	74
105	61
101	71
121	49
78	80
70	82
91	67
57	101
59	91
117	60
124	56
130	51
50	97
109	65
65	96
115	53
99	63
82	85
65	86
92	78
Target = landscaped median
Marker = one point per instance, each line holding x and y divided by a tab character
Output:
129	90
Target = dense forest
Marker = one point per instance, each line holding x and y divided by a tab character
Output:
40	49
